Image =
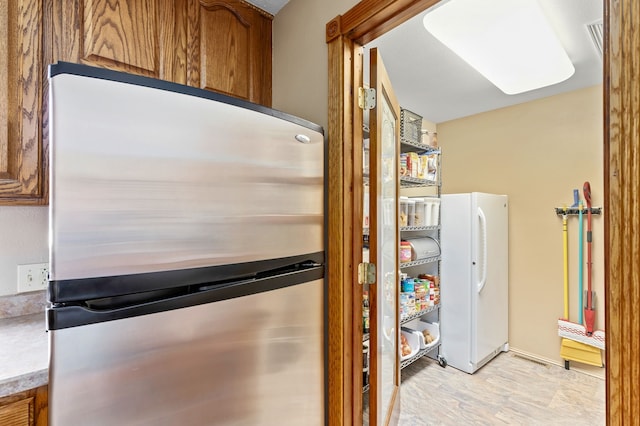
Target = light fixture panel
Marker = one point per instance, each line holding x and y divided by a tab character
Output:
509	42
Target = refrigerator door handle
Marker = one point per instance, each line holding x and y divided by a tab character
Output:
483	248
95	311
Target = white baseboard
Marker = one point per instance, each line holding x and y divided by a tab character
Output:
598	373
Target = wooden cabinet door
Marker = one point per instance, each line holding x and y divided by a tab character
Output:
23	179
224	46
144	37
229	49
28	408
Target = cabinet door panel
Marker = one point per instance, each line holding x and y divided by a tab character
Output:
229	49
27	408
22	155
138	36
122	32
225	63
17	413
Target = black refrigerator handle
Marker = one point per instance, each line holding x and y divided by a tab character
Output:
109	309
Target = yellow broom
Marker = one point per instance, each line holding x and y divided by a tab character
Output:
576	345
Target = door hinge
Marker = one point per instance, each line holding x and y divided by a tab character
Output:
366	98
367	273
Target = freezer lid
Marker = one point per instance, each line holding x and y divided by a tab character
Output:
151	176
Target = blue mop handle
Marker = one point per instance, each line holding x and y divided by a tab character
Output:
580	260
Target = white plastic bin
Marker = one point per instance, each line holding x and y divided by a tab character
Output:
411	212
434	330
414	342
418	217
403	214
428	211
435	214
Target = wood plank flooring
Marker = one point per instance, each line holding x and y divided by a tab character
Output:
509	390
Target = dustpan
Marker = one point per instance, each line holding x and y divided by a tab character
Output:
570	350
574	346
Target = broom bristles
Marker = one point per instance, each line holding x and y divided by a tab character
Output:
577	332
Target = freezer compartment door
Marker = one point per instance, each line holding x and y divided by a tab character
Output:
252	360
152	176
456	273
489	287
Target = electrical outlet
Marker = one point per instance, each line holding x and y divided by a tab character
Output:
33	277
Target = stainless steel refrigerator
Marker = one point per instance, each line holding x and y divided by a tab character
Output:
474	290
187	252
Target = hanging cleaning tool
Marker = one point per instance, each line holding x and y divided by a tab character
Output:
576	198
580	259
589	309
576	345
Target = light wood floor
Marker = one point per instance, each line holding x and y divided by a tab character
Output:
509	390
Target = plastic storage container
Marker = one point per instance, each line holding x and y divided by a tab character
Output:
414	342
411	212
428	209
403	214
418	216
435	213
434	331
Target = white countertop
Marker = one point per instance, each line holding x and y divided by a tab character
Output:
23	353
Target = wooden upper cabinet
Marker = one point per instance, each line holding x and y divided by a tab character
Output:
143	37
229	49
224	46
23	156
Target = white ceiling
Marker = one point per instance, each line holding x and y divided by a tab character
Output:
435	83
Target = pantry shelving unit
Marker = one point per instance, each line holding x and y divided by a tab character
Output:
418	186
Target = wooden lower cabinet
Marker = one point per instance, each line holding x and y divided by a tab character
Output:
28	408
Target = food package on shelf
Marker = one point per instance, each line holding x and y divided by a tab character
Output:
404	168
413	165
407	304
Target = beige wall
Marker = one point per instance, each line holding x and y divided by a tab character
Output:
536	153
300	57
23	240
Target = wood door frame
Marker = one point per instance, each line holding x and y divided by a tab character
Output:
369	19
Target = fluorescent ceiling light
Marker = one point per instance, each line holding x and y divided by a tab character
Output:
509	42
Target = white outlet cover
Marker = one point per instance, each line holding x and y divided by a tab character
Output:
33	277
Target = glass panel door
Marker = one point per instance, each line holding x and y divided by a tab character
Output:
385	336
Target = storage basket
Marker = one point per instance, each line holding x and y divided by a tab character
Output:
434	330
414	341
410	127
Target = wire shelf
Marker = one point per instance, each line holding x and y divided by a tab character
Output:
409	318
410	182
419	262
420	228
420	354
